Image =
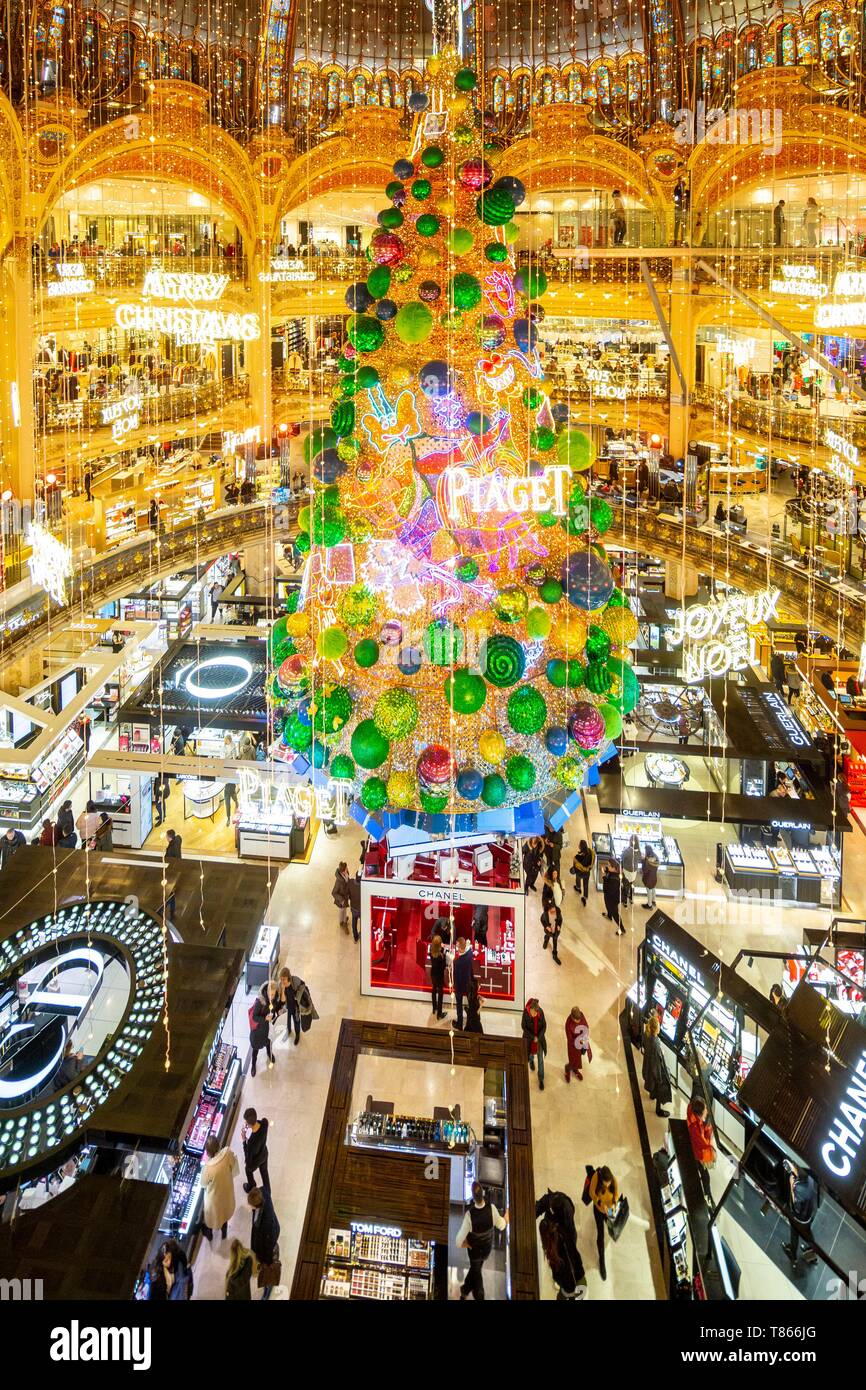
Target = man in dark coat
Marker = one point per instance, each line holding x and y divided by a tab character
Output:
462	975
355	905
657	1083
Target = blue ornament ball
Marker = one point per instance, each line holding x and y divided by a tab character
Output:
418	101
304	711
587	580
410	660
386	309
525	334
559	412
556	740
321	754
329	467
435	379
513	187
358	297
403	169
469	784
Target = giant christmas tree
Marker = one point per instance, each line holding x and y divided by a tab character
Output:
459	642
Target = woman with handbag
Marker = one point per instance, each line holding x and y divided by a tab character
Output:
577	1043
701	1136
559	1243
264	1235
657	1083
241	1269
218	1188
551	912
582	868
602	1191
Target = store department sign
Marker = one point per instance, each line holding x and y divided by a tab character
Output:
236	440
285	271
194	287
801	281
795	734
845	457
265	797
188	326
842	1147
741	350
715	636
123	416
497	492
841	315
73	280
51	562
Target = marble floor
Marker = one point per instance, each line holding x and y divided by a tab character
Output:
573	1124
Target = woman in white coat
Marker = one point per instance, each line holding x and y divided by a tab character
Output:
218	1186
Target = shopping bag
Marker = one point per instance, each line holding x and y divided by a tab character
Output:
269	1275
618	1219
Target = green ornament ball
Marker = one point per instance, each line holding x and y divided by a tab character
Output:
511	604
526	710
358	606
327	529
617	599
414	322
421	189
460	240
342	769
395	713
574	450
538	623
443	643
532	282
532	398
465	692
368	377
379	282
612	721
278	633
365	333
495	208
630	695
332	643
296	734
463	135
547	519
427	224
370	748
366	653
431	803
542	438
597	645
374	794
520	772
503	660
597	678
403	274
390	219
570	772
496	252
464	291
302	542
476	423
432	157
392	190
465	80
494	790
550	591
601	515
466	570
343	419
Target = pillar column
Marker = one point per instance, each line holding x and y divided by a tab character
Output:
17	349
258	352
681	580
682	329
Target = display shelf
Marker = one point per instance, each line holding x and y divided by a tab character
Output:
377	1262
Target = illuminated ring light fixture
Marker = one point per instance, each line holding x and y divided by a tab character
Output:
223	692
38	1134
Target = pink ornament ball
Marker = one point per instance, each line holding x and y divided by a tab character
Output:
586	724
436	766
474	174
386	248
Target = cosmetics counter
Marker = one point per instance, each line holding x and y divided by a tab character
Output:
285	840
370	1260
28	792
789	872
840	973
648	828
128	800
697	1263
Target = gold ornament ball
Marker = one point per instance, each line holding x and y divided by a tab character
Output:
401	376
433	66
491	746
569	637
401	789
620	625
297	624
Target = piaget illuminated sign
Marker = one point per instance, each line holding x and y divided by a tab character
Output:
715	636
194	287
51	562
73	280
268	799
498	492
284	271
188	325
800	281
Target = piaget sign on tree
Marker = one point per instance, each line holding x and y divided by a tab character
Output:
716	636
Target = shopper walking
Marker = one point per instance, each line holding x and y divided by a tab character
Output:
703	1148
802	1206
532	856
473	1009
218	1188
812	220
581	868
779	223
602	1191
551	915
340	893
239	1274
260	1033
630	863
684	729
611	887
476	1236
10	845
264	1235
306	1008
657	1083
534	1027
48	837
559	1243
438	962
462	975
230	798
87	825
66	834
173	845
355	903
553	848
649	872
255	1140
287	999
618	217
577	1043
